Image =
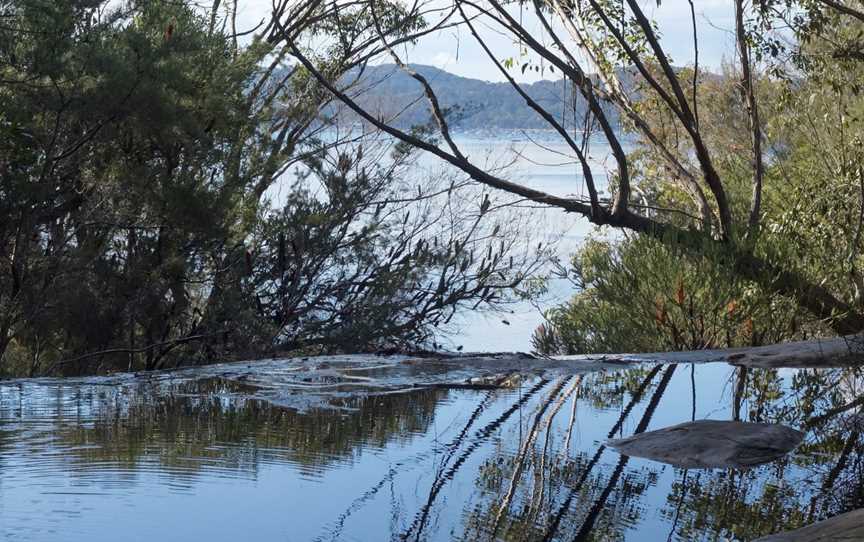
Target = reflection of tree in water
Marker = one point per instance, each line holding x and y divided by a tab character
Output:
822	478
534	486
201	421
565	494
575	496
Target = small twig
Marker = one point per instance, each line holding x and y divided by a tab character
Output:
816	420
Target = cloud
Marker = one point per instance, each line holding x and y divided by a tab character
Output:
442	59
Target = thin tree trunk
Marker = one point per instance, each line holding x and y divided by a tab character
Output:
749	96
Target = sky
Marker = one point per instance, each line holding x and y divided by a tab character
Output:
457	52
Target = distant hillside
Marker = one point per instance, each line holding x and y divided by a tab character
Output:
388	90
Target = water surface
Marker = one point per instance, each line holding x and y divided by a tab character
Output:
204	459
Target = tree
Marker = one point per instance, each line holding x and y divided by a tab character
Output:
140	225
618	40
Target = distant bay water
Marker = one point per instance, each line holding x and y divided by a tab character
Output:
539	159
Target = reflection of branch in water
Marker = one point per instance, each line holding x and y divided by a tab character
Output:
588	524
456	443
686	471
523	454
816	420
566	449
395	510
636	398
683	486
540	473
831	479
556	520
479	436
693	389
451	447
740	387
359	502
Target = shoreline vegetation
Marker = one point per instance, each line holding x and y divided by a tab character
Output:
169	196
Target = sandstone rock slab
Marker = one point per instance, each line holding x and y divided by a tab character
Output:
706	444
843	528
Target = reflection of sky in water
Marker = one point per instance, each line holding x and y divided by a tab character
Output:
97	462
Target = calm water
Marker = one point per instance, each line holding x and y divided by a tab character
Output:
539	159
541	163
202	459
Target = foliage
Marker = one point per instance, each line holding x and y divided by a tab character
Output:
810	224
145	216
639	295
709	173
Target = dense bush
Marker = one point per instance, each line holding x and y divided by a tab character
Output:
636	294
147	212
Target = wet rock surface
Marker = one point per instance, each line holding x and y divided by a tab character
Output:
818	353
324	381
305	383
846	527
706	444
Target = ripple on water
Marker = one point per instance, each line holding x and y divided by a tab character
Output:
168	459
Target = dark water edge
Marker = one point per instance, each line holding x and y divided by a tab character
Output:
204	459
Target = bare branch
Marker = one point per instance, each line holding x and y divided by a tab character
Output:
475	172
437	113
586	167
695	62
842	8
615	94
678	104
170	343
583	82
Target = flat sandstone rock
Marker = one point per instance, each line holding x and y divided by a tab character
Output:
817	353
706	444
843	528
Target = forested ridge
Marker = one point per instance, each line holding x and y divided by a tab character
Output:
477	104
